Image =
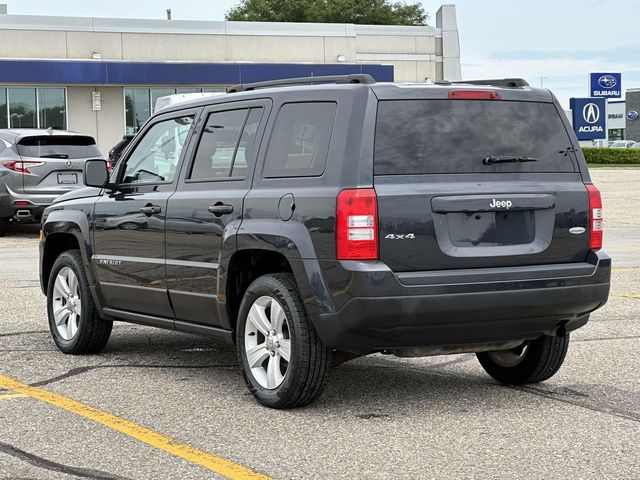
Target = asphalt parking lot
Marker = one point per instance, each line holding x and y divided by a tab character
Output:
379	417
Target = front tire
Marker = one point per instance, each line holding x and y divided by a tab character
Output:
533	361
283	361
73	319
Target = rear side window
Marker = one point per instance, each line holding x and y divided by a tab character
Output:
454	136
300	140
226	144
58	146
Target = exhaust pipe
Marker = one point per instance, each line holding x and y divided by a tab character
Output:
23	214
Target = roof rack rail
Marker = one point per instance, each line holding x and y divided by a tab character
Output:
498	82
363	78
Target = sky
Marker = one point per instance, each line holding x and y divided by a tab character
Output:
553	42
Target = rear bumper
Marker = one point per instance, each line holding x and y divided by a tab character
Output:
464	307
24	213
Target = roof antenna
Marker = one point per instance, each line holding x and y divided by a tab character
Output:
168	14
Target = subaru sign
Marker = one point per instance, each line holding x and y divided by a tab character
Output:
608	85
589	118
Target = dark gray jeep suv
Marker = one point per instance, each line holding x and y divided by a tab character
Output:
310	224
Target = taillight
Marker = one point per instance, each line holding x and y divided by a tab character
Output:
20	166
357	224
109	166
596	219
473	95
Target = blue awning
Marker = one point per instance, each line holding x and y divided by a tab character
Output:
86	72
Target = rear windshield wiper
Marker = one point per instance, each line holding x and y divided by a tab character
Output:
55	155
491	159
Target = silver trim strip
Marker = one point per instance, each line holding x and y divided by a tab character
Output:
156	261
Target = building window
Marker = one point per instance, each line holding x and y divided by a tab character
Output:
24	107
3	108
137	108
140	103
616	134
51	107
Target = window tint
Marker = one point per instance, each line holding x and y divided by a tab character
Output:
299	143
156	157
442	136
223	151
220	134
59	146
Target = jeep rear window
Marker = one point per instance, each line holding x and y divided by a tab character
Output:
453	136
59	146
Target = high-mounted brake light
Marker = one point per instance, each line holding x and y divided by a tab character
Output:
357	224
596	219
20	166
473	95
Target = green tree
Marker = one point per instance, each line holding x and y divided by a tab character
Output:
370	12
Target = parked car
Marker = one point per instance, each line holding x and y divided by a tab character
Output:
635	145
310	224
621	144
118	149
37	166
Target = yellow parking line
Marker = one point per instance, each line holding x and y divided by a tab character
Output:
626	295
8	396
207	460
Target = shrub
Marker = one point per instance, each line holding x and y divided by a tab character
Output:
611	155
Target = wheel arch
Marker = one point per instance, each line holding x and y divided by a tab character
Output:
64	230
263	247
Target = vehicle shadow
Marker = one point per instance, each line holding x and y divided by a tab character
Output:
23	230
374	386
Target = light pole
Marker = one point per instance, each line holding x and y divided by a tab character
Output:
542	79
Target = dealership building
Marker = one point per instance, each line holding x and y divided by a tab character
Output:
101	76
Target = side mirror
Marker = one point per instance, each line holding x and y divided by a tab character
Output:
96	173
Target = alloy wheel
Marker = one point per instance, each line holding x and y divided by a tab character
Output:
267	342
66	303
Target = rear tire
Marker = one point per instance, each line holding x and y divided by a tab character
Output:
534	361
74	323
4	226
283	361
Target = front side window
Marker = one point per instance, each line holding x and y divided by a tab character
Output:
155	159
225	144
299	144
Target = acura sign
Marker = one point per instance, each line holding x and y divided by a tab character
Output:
607	85
589	118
